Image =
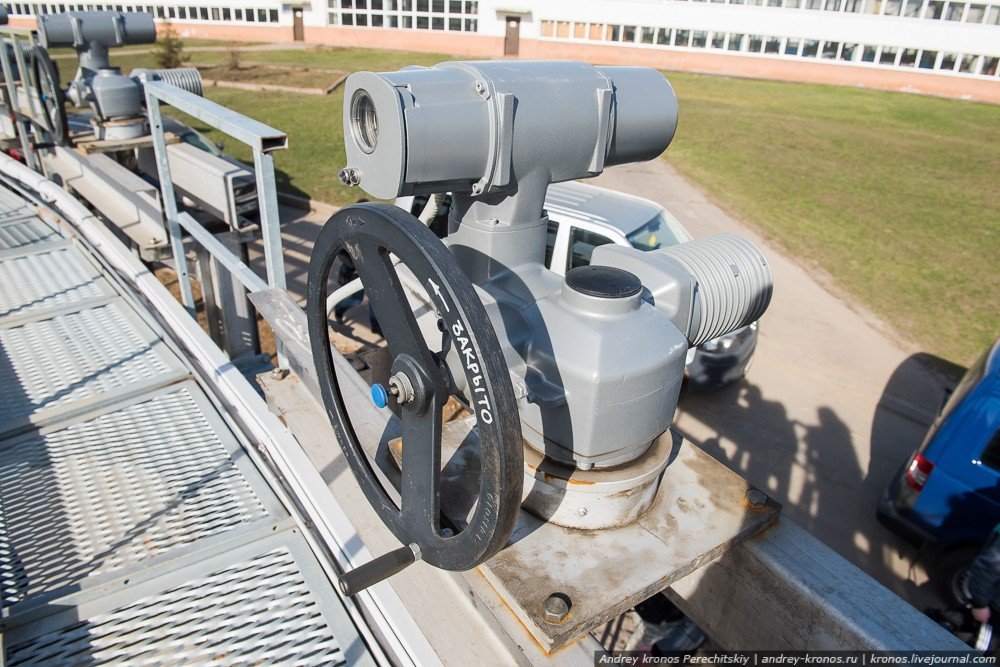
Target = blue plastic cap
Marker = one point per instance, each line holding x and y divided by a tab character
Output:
380	396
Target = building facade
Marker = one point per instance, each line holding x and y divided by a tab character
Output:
943	47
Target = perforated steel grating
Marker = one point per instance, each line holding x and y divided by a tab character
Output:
47	279
70	357
128	489
109	492
13	205
256	612
25	232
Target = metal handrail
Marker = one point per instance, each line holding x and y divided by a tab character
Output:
262	139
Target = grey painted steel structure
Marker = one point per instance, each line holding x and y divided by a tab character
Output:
112	95
137	523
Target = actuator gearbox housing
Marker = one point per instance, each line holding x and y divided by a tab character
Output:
597	371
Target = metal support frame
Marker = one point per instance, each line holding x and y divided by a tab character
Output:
262	139
22	121
784	578
169	203
232	319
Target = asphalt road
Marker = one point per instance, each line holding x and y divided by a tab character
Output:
833	404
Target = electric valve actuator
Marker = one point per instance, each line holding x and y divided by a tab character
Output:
115	98
570	373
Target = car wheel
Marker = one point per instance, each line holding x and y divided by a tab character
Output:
952	574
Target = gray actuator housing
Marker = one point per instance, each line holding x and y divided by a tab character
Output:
597	370
112	94
115	98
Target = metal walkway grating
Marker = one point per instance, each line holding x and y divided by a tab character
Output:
103	494
45	279
70	357
204	620
17	233
134	526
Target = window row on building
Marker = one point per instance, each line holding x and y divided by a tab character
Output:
168	13
786	47
947	10
452	15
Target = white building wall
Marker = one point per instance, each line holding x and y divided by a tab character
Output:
842	37
921	33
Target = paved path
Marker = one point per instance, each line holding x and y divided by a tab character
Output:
830	409
270	46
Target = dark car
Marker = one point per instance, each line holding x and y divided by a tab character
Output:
946	497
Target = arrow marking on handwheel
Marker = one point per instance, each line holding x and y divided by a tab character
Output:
437	290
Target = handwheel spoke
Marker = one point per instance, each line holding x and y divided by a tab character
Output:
388	301
421	474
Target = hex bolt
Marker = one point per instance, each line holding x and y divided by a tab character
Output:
755	499
582	512
556	607
349	176
480	87
278	373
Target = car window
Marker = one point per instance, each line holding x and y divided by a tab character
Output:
663	230
991	455
968	383
581	246
550	241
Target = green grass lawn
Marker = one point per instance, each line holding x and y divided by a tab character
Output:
893	196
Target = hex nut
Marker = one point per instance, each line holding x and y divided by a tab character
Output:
556	607
755	499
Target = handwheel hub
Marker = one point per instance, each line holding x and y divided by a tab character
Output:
401	387
413	386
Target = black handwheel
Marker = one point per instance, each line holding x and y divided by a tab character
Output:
369	233
45	80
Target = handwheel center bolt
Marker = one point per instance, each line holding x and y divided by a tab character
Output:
401	388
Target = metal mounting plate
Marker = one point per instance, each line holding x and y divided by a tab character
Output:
698	513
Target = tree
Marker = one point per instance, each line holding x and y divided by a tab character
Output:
234	58
169	51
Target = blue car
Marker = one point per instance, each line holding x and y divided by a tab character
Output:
947	496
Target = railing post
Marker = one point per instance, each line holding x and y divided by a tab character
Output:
270	221
8	75
169	201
